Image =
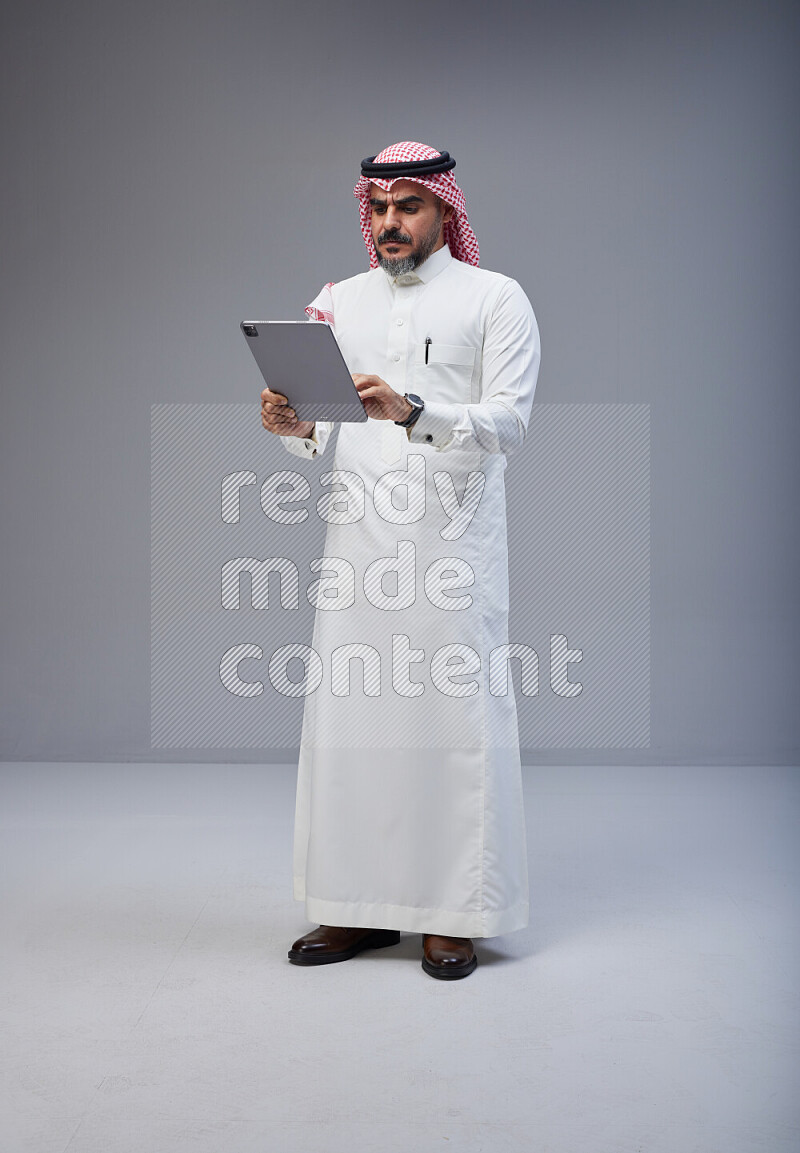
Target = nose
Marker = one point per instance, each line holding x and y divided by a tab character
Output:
391	220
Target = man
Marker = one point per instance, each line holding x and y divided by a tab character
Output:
409	812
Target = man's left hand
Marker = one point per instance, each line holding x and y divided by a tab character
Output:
380	400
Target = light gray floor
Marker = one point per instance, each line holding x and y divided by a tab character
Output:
148	1004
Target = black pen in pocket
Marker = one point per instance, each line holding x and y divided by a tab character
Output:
428	343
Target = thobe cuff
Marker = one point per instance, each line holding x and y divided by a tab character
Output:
308	446
435	424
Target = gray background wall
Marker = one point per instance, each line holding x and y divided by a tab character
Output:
169	168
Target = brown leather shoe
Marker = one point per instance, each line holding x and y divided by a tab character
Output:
328	943
447	958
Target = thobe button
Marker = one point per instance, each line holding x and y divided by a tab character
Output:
399	322
396	356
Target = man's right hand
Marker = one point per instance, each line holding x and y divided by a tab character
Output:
277	417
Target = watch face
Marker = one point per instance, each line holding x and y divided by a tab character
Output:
412	396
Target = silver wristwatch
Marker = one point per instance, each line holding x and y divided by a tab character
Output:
418	405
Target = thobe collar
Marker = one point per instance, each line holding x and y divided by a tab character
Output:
425	272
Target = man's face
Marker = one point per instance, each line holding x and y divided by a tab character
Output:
407	225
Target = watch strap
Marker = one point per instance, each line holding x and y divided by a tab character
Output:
414	415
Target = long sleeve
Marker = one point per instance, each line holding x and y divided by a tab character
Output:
313	445
499	421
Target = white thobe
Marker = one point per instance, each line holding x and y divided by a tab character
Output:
409	811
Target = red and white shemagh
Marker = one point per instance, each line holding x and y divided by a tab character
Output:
459	237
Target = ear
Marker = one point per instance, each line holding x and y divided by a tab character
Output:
448	212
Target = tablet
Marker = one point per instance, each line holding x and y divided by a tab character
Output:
303	362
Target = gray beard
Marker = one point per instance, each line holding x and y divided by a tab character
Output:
401	265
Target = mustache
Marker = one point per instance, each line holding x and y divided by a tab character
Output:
398	237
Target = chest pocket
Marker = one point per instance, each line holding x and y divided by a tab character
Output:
445	371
